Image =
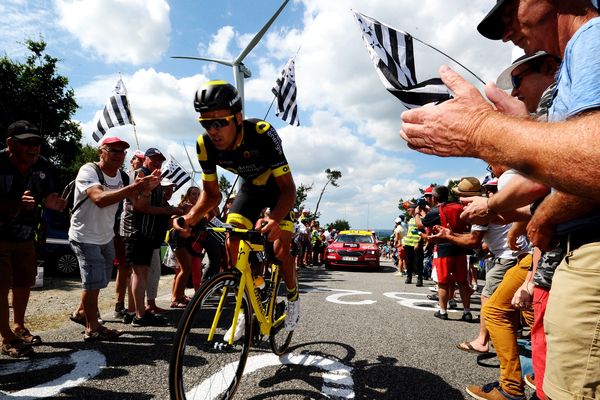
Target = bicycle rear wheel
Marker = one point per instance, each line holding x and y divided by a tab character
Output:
204	367
279	338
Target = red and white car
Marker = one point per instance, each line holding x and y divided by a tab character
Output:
353	248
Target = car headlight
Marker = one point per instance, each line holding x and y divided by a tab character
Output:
331	250
372	252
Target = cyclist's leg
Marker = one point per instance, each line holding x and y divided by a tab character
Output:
282	253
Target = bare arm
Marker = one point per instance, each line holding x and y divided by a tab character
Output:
285	203
209	199
471	240
467	126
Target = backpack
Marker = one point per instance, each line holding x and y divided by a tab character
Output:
69	190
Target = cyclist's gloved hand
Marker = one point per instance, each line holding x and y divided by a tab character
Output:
270	227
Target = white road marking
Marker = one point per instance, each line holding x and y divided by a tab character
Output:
414	303
335	298
87	364
337	378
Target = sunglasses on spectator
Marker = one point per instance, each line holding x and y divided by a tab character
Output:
112	150
29	142
216	123
489	169
518	79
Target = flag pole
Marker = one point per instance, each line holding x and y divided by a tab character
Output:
441	52
137	143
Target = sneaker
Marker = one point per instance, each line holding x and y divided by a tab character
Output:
491	391
408	280
128	317
149	319
438	314
452	304
120	310
434	288
239	329
530	381
419	282
293	315
467	317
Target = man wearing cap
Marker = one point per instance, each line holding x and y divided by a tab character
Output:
141	217
91	231
568	29
25	188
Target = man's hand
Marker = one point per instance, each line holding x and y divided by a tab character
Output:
540	232
174	210
504	102
439	234
147	183
54	202
523	297
27	201
475	210
451	128
517	229
270	227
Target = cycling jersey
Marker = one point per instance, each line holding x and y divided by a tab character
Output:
258	160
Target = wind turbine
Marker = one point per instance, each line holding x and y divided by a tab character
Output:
240	71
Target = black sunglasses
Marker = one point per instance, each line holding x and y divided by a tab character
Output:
215	123
516	80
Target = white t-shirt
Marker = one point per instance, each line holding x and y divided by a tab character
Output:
90	223
496	237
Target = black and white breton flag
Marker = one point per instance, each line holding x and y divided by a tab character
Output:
116	112
392	54
174	172
285	92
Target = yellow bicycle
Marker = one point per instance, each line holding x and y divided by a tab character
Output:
216	330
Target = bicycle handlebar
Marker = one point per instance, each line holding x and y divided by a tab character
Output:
249	234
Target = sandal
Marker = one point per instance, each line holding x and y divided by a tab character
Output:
27	337
78	319
102	334
17	348
178	304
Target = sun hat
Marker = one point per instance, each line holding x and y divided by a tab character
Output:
504	80
469	186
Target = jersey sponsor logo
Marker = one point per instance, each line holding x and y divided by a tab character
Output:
262	127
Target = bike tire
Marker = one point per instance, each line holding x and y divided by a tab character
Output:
210	369
279	338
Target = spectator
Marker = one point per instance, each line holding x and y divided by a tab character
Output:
398	234
92	229
140	216
413	248
451	261
26	186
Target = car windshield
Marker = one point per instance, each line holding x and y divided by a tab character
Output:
355	239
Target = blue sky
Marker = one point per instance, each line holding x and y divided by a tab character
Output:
349	122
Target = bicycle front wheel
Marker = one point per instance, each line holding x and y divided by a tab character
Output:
279	338
203	364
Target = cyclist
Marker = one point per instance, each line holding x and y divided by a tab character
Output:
252	149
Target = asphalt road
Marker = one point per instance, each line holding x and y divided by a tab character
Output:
363	335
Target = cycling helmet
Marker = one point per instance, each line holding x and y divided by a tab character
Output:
217	95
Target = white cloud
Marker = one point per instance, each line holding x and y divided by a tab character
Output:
133	31
219	44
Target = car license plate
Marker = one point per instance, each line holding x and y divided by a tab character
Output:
349	258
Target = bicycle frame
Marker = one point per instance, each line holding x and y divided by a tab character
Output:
264	317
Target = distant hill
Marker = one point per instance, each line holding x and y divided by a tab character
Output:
383	233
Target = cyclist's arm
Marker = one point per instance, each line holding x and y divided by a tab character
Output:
287	197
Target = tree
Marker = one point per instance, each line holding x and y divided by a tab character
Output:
35	92
301	194
332	177
224	187
340	225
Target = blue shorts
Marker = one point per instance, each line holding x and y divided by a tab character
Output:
95	263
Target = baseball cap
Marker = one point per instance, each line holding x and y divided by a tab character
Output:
23	130
397	220
153	151
504	80
491	26
166	182
113	140
491	182
428	191
139	154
